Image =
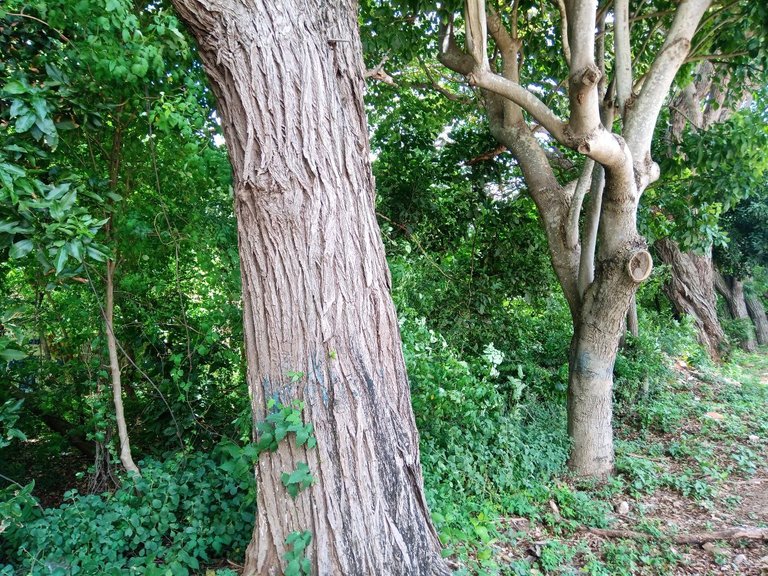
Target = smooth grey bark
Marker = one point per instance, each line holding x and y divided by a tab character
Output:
126	458
691	292
732	290
632	324
757	313
288	77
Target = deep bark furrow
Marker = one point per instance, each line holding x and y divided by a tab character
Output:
691	291
757	313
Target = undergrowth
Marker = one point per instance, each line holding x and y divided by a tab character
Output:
180	514
493	445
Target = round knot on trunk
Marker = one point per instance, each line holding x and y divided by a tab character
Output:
639	265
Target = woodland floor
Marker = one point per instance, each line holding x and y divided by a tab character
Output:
707	472
698	464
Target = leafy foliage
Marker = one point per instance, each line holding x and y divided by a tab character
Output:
710	173
297	563
182	512
281	421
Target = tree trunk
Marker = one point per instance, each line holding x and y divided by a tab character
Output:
757	313
632	324
597	333
316	301
691	292
114	365
732	290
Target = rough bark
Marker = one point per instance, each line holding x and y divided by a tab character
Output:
288	77
757	313
732	290
126	458
691	292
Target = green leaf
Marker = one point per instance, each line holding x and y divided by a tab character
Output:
46	125
57	191
18	107
61	259
40	106
75	248
21	248
14	87
97	255
25	122
12	169
10	354
9	227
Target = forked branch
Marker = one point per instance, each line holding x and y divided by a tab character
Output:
645	110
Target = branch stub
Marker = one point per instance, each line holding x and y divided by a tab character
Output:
640	265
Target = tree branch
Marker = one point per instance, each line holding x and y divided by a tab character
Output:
527	100
582	185
477	32
589	235
584	73
38	20
450	55
379	74
623	53
716	57
510	46
645	110
564	28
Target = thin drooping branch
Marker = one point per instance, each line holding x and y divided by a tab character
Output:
639	53
582	185
717	58
433	84
623	53
564	30
591	226
645	109
39	21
